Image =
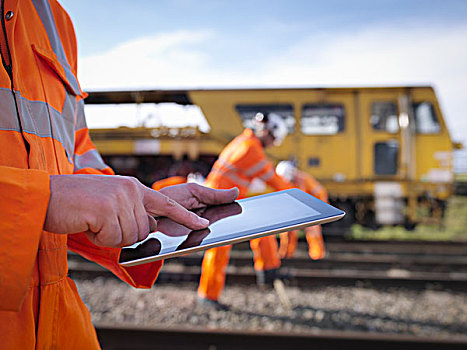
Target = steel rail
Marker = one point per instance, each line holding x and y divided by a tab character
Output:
348	261
114	337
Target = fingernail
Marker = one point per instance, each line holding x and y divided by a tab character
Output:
203	221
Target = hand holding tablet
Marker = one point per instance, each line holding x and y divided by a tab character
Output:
240	221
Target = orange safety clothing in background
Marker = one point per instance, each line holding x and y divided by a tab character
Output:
314	237
169	181
43	132
241	161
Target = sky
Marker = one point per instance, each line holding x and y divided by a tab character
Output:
143	44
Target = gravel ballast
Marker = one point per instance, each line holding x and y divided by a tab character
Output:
421	313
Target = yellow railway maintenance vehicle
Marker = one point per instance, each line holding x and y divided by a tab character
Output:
383	153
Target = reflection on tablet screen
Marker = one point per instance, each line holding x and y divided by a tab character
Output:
169	232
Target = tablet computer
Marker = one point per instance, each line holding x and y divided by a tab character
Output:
236	222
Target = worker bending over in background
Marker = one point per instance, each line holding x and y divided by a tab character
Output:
314	237
241	161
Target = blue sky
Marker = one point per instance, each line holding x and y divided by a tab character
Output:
256	43
103	23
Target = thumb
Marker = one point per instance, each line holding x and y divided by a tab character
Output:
152	224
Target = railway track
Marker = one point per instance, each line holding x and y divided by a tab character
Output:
411	265
138	338
335	260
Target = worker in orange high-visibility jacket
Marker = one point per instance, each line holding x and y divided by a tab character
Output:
51	185
314	237
241	161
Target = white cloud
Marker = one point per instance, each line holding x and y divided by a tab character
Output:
381	55
164	59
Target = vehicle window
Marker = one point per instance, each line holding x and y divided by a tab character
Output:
426	121
384	116
386	155
322	119
248	112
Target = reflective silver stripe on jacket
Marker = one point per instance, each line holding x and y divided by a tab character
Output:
7	109
80	118
60	126
256	168
90	159
267	176
35	119
233	177
227	165
45	13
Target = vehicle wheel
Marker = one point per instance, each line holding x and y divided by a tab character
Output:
409	225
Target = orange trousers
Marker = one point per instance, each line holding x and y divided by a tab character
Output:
265	254
314	237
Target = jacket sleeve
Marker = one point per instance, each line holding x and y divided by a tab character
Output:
23	207
277	182
314	188
87	160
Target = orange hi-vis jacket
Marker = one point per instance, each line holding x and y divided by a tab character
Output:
309	184
241	161
43	132
314	237
169	181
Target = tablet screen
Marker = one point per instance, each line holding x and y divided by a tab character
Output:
246	217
